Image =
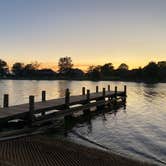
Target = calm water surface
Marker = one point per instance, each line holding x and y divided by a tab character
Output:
139	131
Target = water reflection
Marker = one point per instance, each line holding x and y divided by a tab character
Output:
89	124
150	90
62	86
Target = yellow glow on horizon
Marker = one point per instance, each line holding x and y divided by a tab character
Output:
132	64
83	60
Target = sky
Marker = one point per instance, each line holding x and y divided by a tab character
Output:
91	32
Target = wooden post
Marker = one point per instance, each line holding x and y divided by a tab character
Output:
116	91
87	111
83	90
67	98
125	95
97	89
125	90
43	96
6	101
43	100
88	96
103	92
31	108
108	88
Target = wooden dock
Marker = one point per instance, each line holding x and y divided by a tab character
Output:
63	106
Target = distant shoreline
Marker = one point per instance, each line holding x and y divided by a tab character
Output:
151	73
84	79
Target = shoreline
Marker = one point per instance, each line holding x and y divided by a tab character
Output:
60	79
42	150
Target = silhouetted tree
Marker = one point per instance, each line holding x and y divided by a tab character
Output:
65	64
94	72
162	64
123	66
136	74
74	74
45	74
18	69
151	72
4	70
31	68
107	69
162	70
122	71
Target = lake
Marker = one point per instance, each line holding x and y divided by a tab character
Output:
139	131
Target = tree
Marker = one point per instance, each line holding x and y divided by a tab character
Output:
122	71
18	69
65	64
136	74
4	70
75	73
162	70
31	68
162	64
94	72
123	66
151	71
107	69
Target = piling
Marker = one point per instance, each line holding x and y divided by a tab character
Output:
87	111
116	91
88	96
97	89
83	90
104	93
6	100
67	98
31	108
109	88
43	96
43	100
125	90
125	95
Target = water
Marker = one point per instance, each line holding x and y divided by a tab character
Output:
138	132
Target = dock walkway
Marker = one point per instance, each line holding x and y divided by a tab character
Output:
62	105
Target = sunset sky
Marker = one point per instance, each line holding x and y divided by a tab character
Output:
91	32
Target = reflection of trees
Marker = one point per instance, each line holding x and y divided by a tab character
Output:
150	91
104	119
62	86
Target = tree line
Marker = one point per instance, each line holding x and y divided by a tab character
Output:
152	72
